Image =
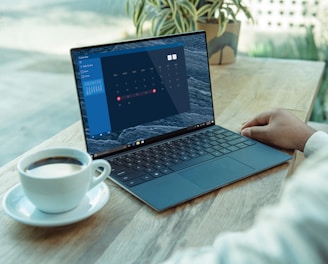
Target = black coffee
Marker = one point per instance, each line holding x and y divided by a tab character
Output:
54	167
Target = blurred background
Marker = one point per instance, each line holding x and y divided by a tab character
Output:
38	97
37	87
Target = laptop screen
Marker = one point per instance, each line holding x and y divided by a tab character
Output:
136	92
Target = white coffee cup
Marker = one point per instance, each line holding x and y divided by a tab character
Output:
55	180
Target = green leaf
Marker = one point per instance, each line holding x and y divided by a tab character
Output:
139	26
223	21
127	7
214	7
159	21
168	28
190	8
139	13
179	22
236	2
191	24
193	2
173	7
231	13
246	12
203	10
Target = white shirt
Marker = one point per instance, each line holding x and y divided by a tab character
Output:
315	142
294	231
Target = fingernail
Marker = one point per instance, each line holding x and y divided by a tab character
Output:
244	132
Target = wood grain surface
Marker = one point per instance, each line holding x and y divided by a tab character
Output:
127	231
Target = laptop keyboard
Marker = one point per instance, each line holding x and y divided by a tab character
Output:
159	160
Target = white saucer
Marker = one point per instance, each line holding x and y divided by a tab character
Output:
17	206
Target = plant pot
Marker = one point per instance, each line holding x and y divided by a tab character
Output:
223	49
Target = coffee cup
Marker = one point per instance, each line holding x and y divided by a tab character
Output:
56	180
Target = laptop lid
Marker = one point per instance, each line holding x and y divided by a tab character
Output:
133	93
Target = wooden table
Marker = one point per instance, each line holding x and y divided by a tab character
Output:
127	231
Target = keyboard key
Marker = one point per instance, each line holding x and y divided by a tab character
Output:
122	172
237	141
250	143
130	176
166	171
241	145
156	174
162	159
224	151
232	148
147	177
134	182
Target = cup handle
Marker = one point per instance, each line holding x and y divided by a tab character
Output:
96	164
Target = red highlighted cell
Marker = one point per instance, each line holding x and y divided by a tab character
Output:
129	96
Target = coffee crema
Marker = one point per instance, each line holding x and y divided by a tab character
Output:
54	167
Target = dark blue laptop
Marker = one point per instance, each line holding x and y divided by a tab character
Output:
146	107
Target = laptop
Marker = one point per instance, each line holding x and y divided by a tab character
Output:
146	107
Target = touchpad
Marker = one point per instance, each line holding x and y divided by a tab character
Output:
217	173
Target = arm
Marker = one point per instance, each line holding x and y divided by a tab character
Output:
293	231
278	128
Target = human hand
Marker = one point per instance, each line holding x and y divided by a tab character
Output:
278	128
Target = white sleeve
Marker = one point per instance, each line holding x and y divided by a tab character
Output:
318	140
294	231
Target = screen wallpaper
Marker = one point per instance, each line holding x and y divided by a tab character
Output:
132	92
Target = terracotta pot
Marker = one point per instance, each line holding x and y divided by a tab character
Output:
223	49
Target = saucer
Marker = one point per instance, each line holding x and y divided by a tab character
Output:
17	206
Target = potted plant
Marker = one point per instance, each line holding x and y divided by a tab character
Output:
217	17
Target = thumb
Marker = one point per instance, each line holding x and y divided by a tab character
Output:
246	132
256	132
